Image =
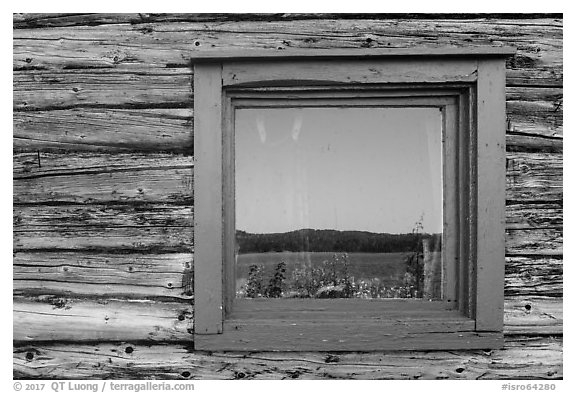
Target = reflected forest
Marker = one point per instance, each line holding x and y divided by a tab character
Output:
338	202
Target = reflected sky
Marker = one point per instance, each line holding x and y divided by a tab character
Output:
368	169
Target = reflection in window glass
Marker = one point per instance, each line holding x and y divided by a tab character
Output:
338	202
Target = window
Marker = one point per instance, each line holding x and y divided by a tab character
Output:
393	158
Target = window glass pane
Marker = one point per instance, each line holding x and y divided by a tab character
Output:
338	202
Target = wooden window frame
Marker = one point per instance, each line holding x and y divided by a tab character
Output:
468	86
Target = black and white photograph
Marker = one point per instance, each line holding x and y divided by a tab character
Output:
286	196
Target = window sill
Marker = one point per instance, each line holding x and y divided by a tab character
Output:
346	325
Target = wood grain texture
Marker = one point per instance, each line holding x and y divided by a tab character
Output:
534	177
104	129
42	90
70	217
101	239
521	358
160	277
518	142
48	318
40	20
538	61
534	242
533	315
163	184
39	165
534	215
535	111
534	276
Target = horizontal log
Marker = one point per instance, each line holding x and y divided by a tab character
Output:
39	20
533	315
104	129
37	165
71	217
161	277
162	184
539	58
101	227
151	239
41	90
535	118
533	277
534	242
532	216
521	143
534	229
47	318
535	111
521	358
534	177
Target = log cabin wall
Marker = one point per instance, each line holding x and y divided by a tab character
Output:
103	203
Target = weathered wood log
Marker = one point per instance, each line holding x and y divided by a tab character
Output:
39	20
163	185
42	90
538	62
534	215
533	276
104	129
68	217
516	142
534	242
521	358
533	315
535	111
135	239
47	318
531	177
161	277
36	165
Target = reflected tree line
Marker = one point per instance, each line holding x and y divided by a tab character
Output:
326	240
